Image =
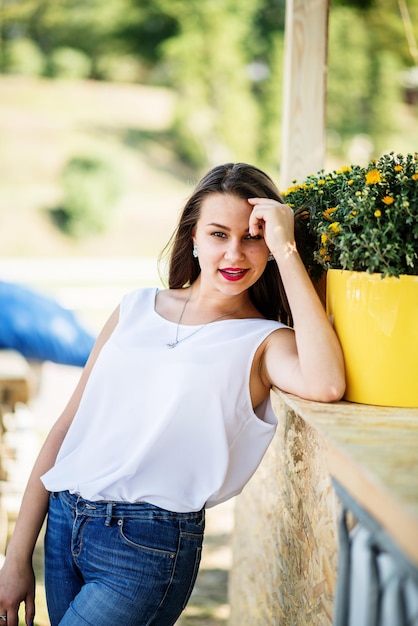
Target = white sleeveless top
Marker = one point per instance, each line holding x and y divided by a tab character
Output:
171	427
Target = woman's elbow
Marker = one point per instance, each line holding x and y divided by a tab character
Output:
332	391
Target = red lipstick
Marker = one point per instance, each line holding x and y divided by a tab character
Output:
233	273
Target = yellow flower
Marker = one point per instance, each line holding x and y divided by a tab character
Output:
294	188
335	227
352	215
350	182
290	190
398	168
322	251
377	213
329	212
373	177
415	176
344	168
321	181
324	238
387	200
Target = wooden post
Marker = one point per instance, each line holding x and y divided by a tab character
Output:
303	124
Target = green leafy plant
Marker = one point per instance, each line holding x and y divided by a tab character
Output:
361	218
91	189
69	63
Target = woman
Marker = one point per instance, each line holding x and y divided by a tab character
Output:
172	412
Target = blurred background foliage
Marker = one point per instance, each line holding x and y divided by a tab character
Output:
222	57
91	187
223	61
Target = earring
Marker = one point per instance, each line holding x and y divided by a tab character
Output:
270	257
195	252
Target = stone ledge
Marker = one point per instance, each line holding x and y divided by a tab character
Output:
373	453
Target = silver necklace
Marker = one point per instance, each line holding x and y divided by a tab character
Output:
176	341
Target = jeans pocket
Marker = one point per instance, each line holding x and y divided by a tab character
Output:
149	536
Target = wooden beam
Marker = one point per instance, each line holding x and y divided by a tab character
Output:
305	71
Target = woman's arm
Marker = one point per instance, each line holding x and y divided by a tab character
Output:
16	577
309	361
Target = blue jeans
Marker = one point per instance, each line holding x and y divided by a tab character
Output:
110	563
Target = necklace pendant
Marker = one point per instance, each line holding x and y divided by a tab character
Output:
172	344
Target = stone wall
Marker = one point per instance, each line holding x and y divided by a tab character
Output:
285	543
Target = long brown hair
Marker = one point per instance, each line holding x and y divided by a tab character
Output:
245	181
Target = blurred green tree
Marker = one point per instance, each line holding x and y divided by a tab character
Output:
85	25
367	50
91	189
225	60
222	57
24	58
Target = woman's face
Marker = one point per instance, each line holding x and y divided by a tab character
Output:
230	259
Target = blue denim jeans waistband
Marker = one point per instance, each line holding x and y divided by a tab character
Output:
111	508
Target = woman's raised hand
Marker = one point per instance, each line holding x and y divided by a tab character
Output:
277	223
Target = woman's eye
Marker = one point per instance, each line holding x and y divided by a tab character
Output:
248	237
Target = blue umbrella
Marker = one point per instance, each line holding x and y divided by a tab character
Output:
40	328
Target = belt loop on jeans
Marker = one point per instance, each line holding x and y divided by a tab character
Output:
109	508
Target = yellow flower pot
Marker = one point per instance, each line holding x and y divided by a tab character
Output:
376	321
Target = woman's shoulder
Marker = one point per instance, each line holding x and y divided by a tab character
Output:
138	297
264	322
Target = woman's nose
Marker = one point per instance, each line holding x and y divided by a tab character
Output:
234	251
